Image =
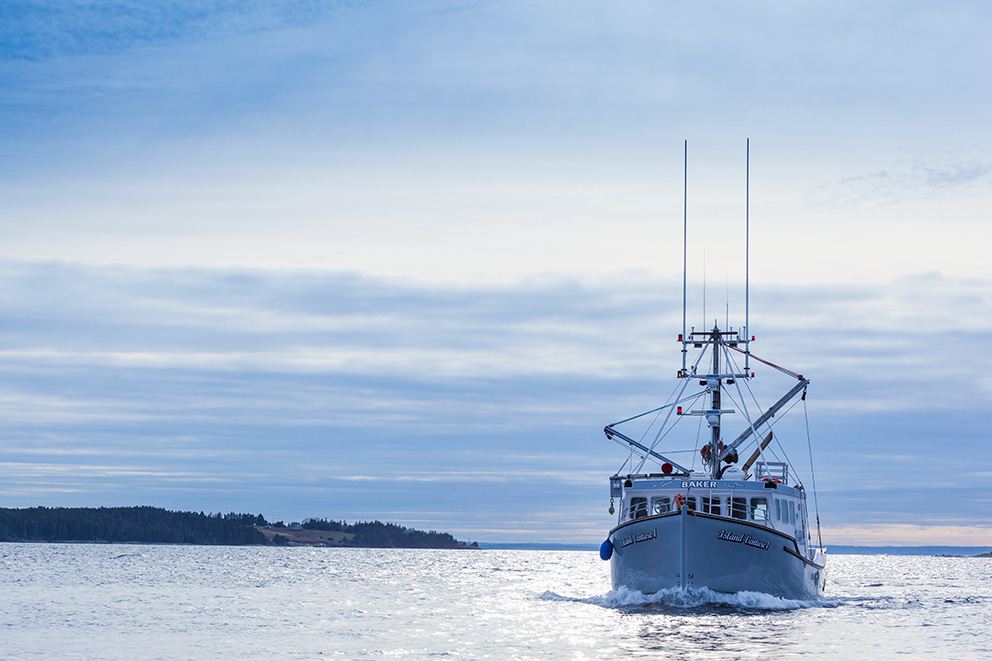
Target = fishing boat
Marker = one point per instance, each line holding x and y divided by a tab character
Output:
709	522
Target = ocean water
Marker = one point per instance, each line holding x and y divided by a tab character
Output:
118	601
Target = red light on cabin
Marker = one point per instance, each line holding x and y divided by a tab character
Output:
666	468
679	411
680	337
752	338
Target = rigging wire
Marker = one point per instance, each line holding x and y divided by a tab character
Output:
743	404
794	375
665	432
770	423
809	444
657	413
782	447
657	410
778	443
695	447
691	399
685	384
783	370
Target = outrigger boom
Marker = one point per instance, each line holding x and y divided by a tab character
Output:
611	432
766	416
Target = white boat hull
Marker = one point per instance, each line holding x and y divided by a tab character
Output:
687	549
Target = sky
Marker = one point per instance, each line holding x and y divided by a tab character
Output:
404	261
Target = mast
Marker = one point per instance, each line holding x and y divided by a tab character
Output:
714	421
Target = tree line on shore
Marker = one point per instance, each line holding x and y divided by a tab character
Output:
155	525
377	534
126	524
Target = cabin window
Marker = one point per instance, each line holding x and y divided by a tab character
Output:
759	509
638	508
661	505
711	505
778	510
691	502
738	508
792	513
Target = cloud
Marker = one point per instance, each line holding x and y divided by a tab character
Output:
487	142
333	394
493	235
956	175
901	183
36	31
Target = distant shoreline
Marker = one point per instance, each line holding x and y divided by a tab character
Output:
957	551
950	551
935	551
155	525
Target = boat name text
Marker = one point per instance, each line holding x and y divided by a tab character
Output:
638	537
699	484
742	538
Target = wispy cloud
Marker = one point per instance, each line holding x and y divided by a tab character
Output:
900	183
40	30
463	141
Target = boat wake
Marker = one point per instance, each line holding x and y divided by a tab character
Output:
690	598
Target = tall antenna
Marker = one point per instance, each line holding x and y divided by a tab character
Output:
685	202
704	288
747	259
727	319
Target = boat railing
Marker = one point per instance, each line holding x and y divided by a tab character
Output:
772	470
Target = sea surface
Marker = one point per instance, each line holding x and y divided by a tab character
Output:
119	601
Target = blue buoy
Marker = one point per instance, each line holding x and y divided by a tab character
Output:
606	550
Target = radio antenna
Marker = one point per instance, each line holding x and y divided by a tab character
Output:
747	258
685	202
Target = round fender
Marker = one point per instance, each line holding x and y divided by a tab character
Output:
606	550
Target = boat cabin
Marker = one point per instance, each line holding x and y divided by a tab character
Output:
765	502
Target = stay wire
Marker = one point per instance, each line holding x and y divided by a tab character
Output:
771	423
809	444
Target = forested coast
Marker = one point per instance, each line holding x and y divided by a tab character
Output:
153	525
